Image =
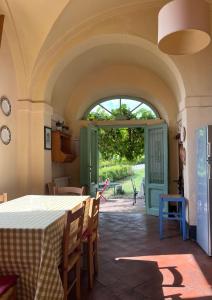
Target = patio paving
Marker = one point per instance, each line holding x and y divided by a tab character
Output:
134	264
123	205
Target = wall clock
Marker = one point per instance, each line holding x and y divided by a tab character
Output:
5	135
5	106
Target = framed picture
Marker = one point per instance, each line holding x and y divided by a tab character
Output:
47	138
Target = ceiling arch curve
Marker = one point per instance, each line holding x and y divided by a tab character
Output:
122	79
104	49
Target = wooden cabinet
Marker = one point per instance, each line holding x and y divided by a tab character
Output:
61	147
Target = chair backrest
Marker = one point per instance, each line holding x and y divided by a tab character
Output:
93	215
3	197
72	236
68	190
50	188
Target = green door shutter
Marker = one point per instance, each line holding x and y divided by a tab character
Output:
89	159
156	166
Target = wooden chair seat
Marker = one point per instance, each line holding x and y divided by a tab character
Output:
8	287
88	235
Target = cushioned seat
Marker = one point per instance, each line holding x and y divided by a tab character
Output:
6	283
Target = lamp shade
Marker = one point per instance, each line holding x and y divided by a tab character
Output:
184	27
1	26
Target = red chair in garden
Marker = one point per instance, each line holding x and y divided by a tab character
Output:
101	191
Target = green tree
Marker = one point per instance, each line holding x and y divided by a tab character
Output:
121	143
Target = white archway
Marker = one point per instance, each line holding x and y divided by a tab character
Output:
46	75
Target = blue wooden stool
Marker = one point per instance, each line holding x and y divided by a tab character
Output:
179	215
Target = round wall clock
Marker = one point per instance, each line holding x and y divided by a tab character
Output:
5	106
5	135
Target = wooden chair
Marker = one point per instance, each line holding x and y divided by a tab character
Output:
90	237
50	188
8	287
68	190
3	197
72	251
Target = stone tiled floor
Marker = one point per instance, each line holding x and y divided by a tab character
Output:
135	265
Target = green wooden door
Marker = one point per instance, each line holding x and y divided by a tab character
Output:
156	166
89	159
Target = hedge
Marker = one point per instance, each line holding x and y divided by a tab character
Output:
115	172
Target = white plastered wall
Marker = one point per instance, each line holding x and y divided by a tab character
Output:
44	43
198	113
123	79
8	167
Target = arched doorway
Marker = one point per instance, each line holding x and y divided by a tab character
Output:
127	112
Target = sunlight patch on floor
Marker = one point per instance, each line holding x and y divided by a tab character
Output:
181	275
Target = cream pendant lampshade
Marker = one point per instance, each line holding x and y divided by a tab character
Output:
184	27
1	26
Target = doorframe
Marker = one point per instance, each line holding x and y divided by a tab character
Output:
128	124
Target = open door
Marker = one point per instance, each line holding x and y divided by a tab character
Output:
89	159
156	166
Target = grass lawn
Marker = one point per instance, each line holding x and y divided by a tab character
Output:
127	184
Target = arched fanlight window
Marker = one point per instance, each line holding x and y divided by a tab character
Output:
121	108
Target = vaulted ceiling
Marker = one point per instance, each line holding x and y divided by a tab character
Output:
50	39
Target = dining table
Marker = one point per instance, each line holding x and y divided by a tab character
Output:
31	233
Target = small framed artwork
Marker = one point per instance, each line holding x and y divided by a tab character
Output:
47	138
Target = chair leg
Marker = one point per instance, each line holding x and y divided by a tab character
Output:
14	294
184	221
78	266
161	218
65	285
96	266
90	263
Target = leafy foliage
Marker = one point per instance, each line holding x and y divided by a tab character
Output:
115	172
122	113
121	143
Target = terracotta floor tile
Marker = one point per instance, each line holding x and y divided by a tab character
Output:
134	264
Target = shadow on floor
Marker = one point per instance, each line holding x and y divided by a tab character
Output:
135	264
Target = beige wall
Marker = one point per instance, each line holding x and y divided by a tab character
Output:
122	80
78	54
8	167
34	162
195	115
